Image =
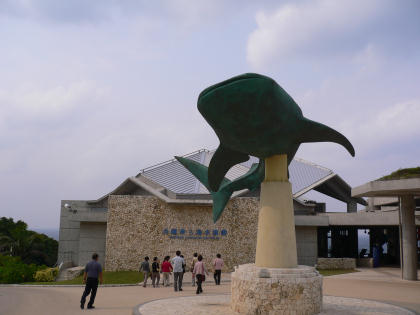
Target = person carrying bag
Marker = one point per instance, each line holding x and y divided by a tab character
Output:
200	272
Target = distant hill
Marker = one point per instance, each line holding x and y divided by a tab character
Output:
53	233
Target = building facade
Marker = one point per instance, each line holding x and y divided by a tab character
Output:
164	208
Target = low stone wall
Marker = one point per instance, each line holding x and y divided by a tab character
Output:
364	262
336	263
75	272
70	273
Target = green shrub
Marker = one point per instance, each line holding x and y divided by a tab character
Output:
46	275
13	270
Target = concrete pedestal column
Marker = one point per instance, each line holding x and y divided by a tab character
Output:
408	244
276	238
275	284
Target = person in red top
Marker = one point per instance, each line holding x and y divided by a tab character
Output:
166	269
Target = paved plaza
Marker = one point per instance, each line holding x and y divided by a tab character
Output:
382	284
220	305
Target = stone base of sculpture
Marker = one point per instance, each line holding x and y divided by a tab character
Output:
257	290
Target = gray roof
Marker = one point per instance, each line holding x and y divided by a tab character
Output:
173	183
176	178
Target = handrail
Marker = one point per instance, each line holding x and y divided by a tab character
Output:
65	257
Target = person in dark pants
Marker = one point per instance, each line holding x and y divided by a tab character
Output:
145	268
93	271
217	266
155	272
200	271
183	266
178	264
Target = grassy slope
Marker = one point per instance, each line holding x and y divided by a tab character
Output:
118	277
403	174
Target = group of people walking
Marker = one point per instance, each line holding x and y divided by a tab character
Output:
92	275
177	266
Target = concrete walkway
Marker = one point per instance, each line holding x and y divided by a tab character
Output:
374	274
382	284
220	305
109	300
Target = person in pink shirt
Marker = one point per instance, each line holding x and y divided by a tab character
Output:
199	271
217	266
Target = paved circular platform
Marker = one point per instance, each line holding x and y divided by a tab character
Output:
220	305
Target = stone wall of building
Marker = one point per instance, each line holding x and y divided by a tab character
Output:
140	226
137	227
336	263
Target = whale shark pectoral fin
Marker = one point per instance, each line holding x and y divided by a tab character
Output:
317	132
222	160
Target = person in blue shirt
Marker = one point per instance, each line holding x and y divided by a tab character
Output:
93	271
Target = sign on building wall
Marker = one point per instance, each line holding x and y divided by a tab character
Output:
195	234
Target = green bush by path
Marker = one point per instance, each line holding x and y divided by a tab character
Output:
13	270
46	275
110	277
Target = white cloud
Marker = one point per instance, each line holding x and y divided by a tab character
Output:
394	124
34	101
303	29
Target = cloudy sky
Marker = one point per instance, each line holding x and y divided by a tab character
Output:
93	91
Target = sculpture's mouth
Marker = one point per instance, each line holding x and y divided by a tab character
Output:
245	76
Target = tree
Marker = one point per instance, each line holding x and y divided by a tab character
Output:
31	247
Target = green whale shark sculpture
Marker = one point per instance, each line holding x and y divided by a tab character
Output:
252	115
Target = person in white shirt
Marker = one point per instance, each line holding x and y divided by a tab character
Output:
177	264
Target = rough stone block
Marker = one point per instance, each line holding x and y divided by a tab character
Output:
281	291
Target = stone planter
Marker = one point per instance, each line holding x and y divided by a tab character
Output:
291	291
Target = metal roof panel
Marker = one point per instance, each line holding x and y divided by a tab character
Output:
174	177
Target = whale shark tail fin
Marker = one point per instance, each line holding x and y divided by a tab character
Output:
198	170
222	160
220	199
317	132
251	180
